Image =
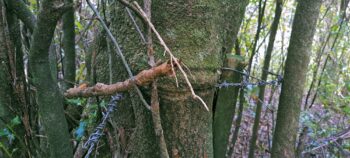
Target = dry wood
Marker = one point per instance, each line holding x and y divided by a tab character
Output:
144	78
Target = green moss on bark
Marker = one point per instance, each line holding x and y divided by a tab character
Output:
69	47
5	75
48	97
190	29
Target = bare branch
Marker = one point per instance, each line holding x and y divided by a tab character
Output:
144	78
119	52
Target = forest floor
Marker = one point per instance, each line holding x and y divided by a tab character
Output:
323	123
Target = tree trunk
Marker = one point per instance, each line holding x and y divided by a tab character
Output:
48	97
274	28
69	47
298	57
225	105
5	74
189	28
22	12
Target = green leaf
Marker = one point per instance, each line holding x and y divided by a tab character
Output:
78	26
15	121
334	28
77	102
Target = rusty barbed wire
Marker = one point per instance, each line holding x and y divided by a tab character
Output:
246	82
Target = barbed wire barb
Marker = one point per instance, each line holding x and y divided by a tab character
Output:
98	132
246	83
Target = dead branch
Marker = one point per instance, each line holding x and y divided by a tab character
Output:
144	78
118	51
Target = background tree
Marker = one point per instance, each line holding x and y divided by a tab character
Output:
47	94
274	28
298	57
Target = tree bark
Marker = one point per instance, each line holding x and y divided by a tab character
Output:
48	97
5	74
23	12
274	28
237	123
189	29
69	47
225	104
298	58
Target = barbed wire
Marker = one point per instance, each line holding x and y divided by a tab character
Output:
245	82
98	132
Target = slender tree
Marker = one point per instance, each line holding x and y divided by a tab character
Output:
69	47
332	41
47	94
225	104
274	28
298	57
262	6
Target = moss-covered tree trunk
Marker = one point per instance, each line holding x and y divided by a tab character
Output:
22	12
298	57
48	97
131	117
5	74
225	104
5	79
191	31
69	47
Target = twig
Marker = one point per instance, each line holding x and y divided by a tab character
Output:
132	7
154	96
119	52
345	134
136	26
86	28
172	57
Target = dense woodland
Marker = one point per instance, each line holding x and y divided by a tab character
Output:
174	78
